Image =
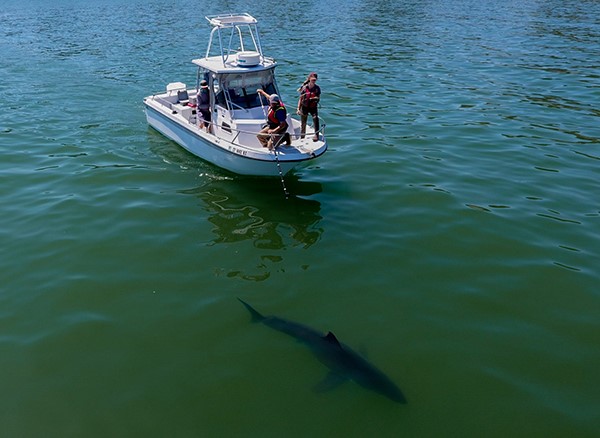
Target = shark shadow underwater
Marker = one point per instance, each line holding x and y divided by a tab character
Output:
344	364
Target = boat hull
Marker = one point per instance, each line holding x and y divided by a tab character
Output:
221	152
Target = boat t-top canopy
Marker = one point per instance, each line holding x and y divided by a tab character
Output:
228	20
237	35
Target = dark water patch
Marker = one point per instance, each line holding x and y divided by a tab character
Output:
570	268
546	169
65	155
39	169
557	218
478	207
569	248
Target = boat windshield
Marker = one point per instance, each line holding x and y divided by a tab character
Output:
239	90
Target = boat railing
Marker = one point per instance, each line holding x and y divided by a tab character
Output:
294	135
229	101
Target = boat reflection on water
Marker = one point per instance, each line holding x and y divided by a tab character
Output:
253	212
256	210
249	211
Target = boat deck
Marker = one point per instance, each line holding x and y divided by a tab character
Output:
181	103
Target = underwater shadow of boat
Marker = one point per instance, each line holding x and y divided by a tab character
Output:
249	211
251	208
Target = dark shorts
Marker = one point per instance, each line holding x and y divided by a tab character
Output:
205	114
305	110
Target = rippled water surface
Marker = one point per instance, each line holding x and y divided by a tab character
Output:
451	233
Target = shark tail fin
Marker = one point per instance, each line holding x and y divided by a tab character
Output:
256	317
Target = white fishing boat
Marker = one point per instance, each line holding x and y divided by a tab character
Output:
234	69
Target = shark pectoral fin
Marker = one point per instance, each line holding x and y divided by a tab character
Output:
331	381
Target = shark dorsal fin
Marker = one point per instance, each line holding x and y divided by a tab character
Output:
330	337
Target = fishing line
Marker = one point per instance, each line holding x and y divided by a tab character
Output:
285	191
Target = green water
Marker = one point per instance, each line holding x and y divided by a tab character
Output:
451	232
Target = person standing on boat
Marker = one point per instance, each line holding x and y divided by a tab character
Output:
277	124
204	105
307	80
308	103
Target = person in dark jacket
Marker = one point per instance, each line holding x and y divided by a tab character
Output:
204	105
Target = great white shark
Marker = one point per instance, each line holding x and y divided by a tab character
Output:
344	364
